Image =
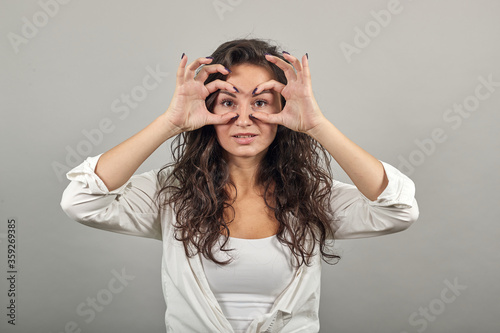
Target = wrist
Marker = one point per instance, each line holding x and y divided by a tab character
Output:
167	128
323	126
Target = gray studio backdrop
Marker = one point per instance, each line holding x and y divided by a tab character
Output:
415	83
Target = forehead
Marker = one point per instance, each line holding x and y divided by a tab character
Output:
248	75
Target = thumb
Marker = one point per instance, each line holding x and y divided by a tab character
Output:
220	119
275	118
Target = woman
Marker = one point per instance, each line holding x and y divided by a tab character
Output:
248	208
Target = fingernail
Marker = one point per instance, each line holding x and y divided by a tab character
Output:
286	52
182	56
235	117
307	56
253	92
252	116
209	57
267	54
236	89
227	69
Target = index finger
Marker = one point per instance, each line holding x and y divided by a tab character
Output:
269	85
205	71
284	66
191	69
294	61
181	69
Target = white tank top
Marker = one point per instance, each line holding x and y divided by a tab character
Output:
247	287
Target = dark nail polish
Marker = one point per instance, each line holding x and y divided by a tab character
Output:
252	116
307	56
182	56
267	54
227	69
236	89
286	52
253	92
235	117
209	57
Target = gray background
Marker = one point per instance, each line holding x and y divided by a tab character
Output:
391	94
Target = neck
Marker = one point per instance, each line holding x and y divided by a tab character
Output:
243	173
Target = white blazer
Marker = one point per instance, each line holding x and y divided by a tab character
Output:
191	305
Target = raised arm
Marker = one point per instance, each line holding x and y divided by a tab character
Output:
365	171
302	113
186	112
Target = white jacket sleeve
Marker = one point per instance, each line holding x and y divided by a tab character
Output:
131	209
355	216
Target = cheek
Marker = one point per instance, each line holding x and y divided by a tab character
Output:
221	131
270	130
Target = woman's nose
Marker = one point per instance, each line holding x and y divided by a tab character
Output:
244	118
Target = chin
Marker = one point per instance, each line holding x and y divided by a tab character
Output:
245	153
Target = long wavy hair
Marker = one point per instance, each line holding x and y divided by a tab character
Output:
295	173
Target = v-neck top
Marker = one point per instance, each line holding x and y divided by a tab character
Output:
247	287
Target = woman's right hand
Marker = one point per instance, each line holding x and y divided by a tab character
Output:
187	110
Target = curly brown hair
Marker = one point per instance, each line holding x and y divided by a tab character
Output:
295	173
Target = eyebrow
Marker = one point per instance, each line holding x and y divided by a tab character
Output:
267	91
227	93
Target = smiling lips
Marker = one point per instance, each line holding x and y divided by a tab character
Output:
244	138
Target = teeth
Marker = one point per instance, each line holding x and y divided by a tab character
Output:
243	136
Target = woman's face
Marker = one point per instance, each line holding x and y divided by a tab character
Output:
246	137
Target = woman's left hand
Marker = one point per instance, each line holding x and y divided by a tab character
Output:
301	112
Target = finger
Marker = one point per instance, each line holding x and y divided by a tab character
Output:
294	61
285	67
305	66
210	69
219	85
182	69
191	69
269	85
270	118
219	119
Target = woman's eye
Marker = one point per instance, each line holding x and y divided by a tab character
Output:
227	103
260	103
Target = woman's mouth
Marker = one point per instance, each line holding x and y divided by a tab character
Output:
244	138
